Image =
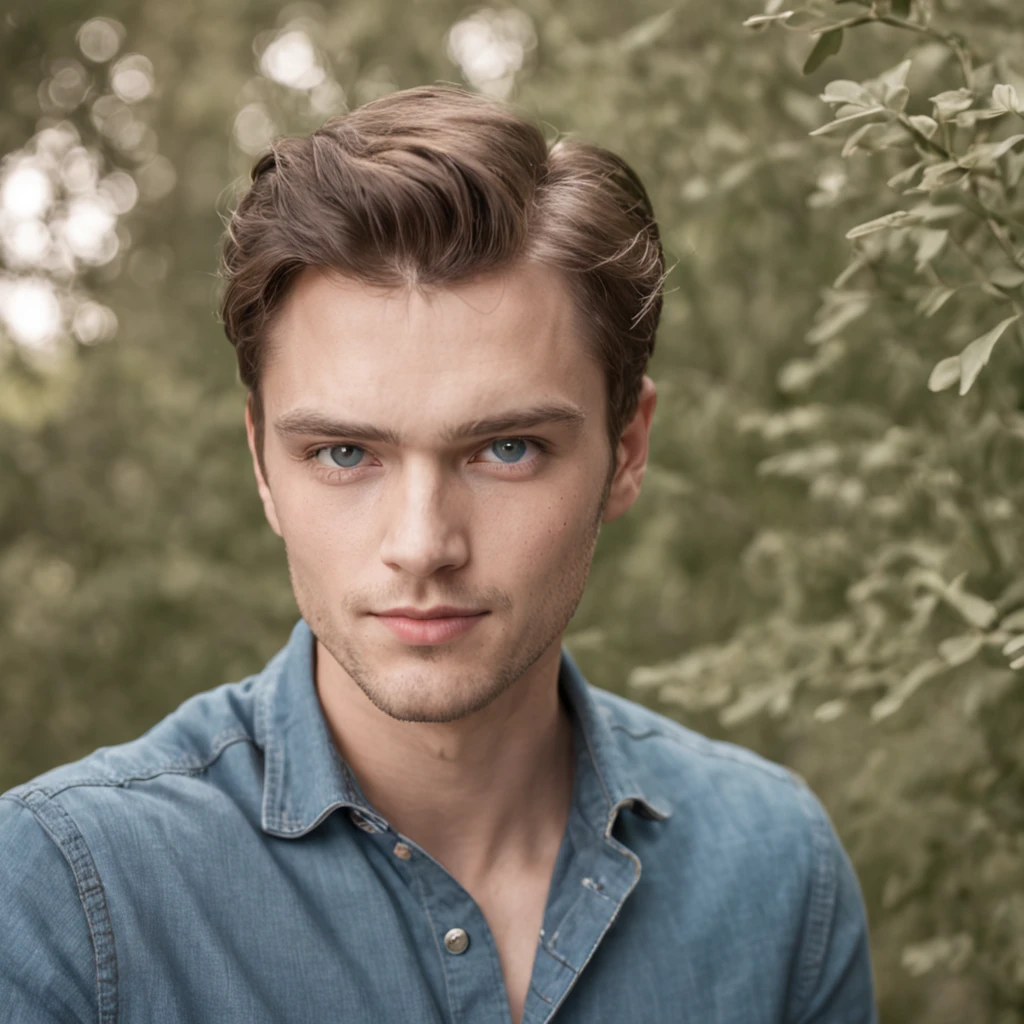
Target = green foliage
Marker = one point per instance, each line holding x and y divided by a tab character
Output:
917	506
824	562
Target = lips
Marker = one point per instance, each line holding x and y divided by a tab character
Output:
430	631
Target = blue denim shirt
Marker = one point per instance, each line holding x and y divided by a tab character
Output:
225	866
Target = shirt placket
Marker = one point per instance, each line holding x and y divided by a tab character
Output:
600	881
466	952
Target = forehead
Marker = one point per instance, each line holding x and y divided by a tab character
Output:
423	358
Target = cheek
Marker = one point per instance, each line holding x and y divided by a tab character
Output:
549	528
320	537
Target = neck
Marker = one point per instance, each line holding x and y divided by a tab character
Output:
487	792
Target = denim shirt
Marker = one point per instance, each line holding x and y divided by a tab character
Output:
226	867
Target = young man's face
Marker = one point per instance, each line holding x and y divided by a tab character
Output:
486	520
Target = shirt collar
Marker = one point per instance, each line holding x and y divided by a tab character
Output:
305	777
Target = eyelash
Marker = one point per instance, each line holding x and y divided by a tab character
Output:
330	474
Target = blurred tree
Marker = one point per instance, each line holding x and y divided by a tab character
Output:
885	669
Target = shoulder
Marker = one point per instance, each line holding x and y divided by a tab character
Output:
49	969
731	809
679	764
757	828
188	740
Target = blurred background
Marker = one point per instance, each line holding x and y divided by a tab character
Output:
826	560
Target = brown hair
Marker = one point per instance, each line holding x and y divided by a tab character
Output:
437	185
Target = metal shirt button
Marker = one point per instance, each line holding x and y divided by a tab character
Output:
402	851
456	941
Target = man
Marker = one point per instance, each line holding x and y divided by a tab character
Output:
419	810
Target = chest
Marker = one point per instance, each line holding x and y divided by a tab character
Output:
334	926
514	913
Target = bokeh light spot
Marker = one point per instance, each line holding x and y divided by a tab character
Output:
93	323
89	230
254	128
26	191
120	188
490	47
26	243
156	178
100	38
131	77
30	311
291	60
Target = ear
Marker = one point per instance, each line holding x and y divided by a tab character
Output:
631	456
261	484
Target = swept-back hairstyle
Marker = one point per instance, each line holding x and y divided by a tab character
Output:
434	186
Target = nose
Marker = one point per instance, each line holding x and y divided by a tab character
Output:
425	530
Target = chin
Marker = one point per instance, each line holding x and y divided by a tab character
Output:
429	697
427	710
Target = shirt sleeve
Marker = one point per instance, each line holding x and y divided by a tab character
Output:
833	983
47	966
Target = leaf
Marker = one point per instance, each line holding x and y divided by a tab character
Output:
988	153
1001	148
754	701
929	245
913	681
945	374
828	45
836	314
890	220
948	104
1015	620
905	176
1007	277
737	174
929	305
926	125
764	19
901	8
830	710
841	122
977	354
894	78
976	610
647	31
851	270
842	90
934	177
958	650
969	118
897	98
1005	98
928	214
852	141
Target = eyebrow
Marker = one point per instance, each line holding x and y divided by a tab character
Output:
304	422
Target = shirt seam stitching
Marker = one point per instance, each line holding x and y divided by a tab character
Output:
274	817
185	766
820	910
779	772
65	834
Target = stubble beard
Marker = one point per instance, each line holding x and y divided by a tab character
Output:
550	614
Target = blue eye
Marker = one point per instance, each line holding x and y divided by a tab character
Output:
513	447
511	452
343	462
